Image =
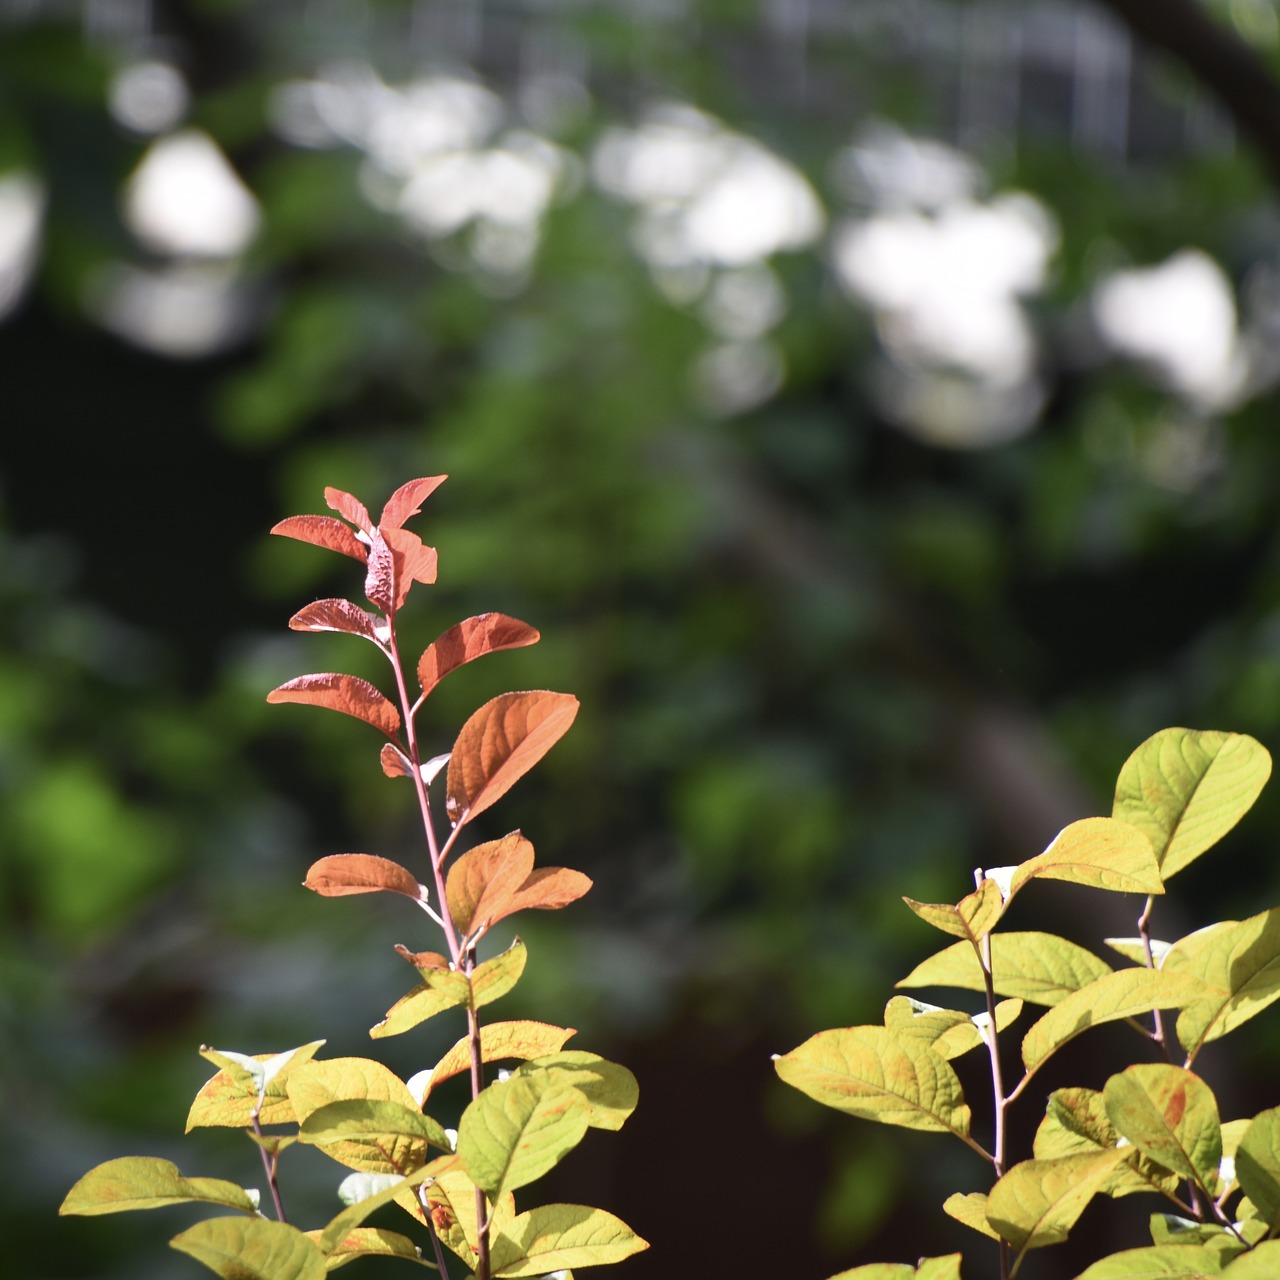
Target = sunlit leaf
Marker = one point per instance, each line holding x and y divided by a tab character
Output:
407	501
1099	852
414	562
499	1040
336	615
973	917
1257	1165
950	1031
373	1137
395	764
451	1195
348	694
519	1128
144	1182
1135	949
353	1215
468	640
380	584
410	1010
482	882
1238	963
556	1236
342	874
1262	1262
1171	1116
494	978
1186	788
1162	1262
1039	967
252	1249
548	888
945	1268
500	743
323	531
971	1209
876	1074
348	508
229	1098
363	1242
344	1079
1038	1201
611	1090
1172	1229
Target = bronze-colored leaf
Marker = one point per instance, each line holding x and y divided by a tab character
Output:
342	874
502	742
484	880
548	889
336	615
468	640
414	562
348	694
348	508
395	764
423	959
323	531
407	501
380	577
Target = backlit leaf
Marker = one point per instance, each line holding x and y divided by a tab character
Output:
973	917
451	1195
876	1074
344	1079
945	1268
348	694
395	764
342	874
407	501
517	1129
482	882
1099	852
1125	994
971	1209
556	1236
611	1090
414	562
228	1099
323	531
1186	788
144	1182
1257	1165
1171	1116
549	888
336	615
1262	1262
500	743
1038	1201
1039	967
380	579
468	640
349	508
1135	949
1238	963
950	1031
252	1249
409	1011
362	1242
340	1227
494	978
1163	1262
499	1040
373	1137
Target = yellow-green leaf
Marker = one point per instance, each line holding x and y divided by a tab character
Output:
1258	1165
144	1182
1135	950
971	1209
945	1268
499	1040
252	1249
423	1002
363	1242
557	1236
331	1237
228	1099
972	918
345	1080
1163	1262
1262	1262
611	1090
373	1137
1039	967
876	1074
1126	994
1186	788
519	1128
494	978
950	1031
1099	852
1171	1116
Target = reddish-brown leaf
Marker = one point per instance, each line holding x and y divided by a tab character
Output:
395	764
413	561
483	881
548	889
346	873
500	743
348	694
380	578
407	501
348	508
423	959
468	640
336	615
323	531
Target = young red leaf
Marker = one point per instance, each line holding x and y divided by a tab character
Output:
348	694
482	883
469	640
395	764
407	501
348	508
548	889
346	873
414	562
380	578
500	743
323	531
336	615
423	959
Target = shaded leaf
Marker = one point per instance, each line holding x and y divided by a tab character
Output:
336	615
1257	1165
1171	1116
1186	788
228	1098
556	1236
1102	853
323	531
499	1040
1171	1228
876	1074
342	874
373	1136
500	743
349	508
482	882
1262	1262
1039	967
407	501
971	1209
492	980
973	917
1038	1201
611	1090
348	694
252	1249
1163	1262
468	640
144	1182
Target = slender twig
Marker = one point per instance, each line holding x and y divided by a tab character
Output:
1144	932
997	1084
270	1163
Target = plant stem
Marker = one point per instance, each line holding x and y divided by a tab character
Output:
1144	932
269	1164
997	1084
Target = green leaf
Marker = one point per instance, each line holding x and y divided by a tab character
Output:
423	1002
1239	964
494	978
1169	1228
1038	1201
946	1268
144	1182
1171	1116
498	1040
1099	852
1135	950
557	1236
611	1090
1125	994
1186	788
971	1209
950	1031
345	1080
1258	1165
1262	1262
229	1098
1164	1262
373	1137
451	1195
1039	967
972	918
252	1249
353	1215
363	1242
876	1074
519	1128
